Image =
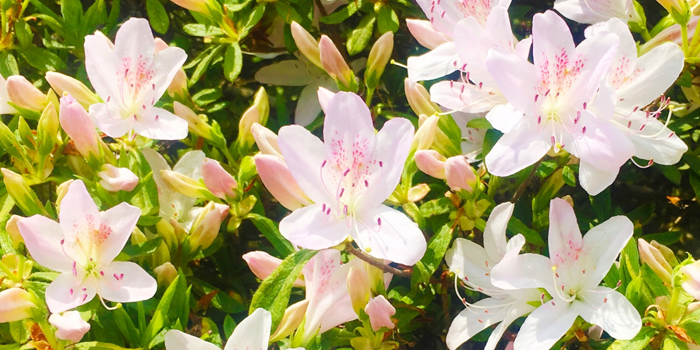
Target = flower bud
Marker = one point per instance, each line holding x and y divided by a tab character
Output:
653	257
178	86
358	288
79	127
263	264
417	192
217	180
257	113
18	188
115	179
48	130
425	135
62	191
419	98
206	226
306	44
13	230
15	304
380	311
266	140
182	184
460	174
424	32
197	126
165	274
378	58
678	9
63	84
334	64
277	178
24	94
431	162
209	8
291	320
324	95
666	252
691	279
69	326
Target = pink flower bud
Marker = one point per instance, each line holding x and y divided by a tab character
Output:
334	64
431	162
218	180
378	58
324	95
691	279
266	140
425	135
358	288
69	326
380	311
417	192
306	44
459	174
291	320
653	257
24	94
62	84
15	304
425	33
419	98
165	274
115	179
263	264
257	113
78	125
206	226
204	7
275	175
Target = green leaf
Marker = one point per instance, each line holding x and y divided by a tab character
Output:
72	12
41	59
673	343
158	16
273	293
639	342
569	176
671	172
492	136
359	37
479	123
531	236
207	96
387	20
287	12
142	249
437	246
229	326
207	57
5	241
253	19
436	207
652	280
639	295
665	238
8	64
695	183
202	30
271	231
157	322
342	14
233	62
126	326
546	168
24	33
221	300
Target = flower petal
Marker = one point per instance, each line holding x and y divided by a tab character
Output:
495	231
125	281
43	237
515	311
564	235
116	225
308	106
176	340
108	119
552	46
437	63
602	245
656	142
587	11
386	233
545	326
625	60
165	65
251	333
65	293
134	39
611	311
100	62
285	73
517	150
304	153
470	322
602	144
470	261
514	76
505	118
424	32
523	271
594	180
160	124
190	164
463	97
311	228
78	209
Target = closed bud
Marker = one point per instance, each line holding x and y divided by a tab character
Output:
64	84
182	184
653	257
431	162
324	95
419	99
48	130
378	58
358	288
417	192
13	230
293	316
460	174
210	8
277	178
165	274
380	311
197	125
15	304
306	44
18	188
167	231
666	252
206	227
691	279
257	113
24	94
425	135
263	264
217	180
334	64
115	179
266	140
77	124
69	326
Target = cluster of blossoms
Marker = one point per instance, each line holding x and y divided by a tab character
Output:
352	225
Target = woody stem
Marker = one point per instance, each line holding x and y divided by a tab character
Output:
376	263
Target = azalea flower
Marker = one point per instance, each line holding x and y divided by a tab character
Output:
173	205
439	32
472	264
5	107
572	275
637	82
548	104
130	78
348	177
252	333
69	326
594	11
82	246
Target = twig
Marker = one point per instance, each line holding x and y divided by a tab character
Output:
525	183
376	263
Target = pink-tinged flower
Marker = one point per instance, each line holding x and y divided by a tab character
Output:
572	275
178	86
334	64
419	98
594	11
670	34
206	227
431	162
263	264
473	264
218	180
548	104
251	333
69	326
691	279
637	82
77	124
82	246
24	94
444	15
277	178
13	230
348	178
165	274
130	78
266	140
5	108
459	174
306	43
115	179
324	95
380	311
15	304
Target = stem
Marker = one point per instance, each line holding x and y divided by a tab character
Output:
673	304
684	36
48	334
368	98
376	263
645	35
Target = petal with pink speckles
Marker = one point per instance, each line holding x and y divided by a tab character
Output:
160	124
115	229
125	281
65	293
78	214
43	236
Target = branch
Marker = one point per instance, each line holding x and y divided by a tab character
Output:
376	263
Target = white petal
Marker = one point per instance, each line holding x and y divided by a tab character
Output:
602	144
602	245
515	77
100	64
594	180
463	97
190	164
124	281
176	340
523	271
424	32
311	228
470	322
515	311
108	119
545	326
656	141
252	333
505	118
565	238
625	60
437	63
386	233
611	311
160	124
308	107
304	153
165	65
65	293
43	237
285	73
552	44
134	39
517	150
591	11
77	210
495	231
116	225
470	261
